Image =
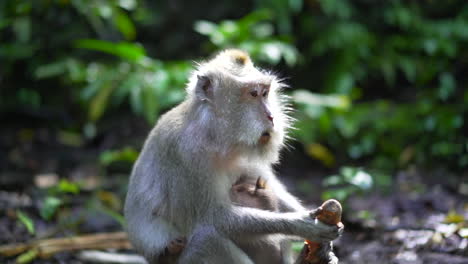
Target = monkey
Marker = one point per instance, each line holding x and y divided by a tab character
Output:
232	122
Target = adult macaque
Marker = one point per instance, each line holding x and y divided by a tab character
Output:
231	123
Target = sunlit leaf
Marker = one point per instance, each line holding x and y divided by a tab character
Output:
453	217
28	256
126	50
125	25
362	179
99	103
26	221
447	86
205	27
339	194
110	200
66	186
128	4
309	98
366	215
50	70
321	153
49	207
127	154
333	180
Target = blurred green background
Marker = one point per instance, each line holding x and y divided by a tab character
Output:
378	87
380	83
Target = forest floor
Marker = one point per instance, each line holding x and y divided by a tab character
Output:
55	184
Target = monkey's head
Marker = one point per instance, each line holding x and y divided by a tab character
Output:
241	105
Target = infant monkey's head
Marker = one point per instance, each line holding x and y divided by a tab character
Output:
253	192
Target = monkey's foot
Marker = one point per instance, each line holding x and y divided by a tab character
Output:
176	246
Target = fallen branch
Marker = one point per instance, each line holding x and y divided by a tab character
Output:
48	247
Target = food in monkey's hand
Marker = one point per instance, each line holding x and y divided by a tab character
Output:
321	253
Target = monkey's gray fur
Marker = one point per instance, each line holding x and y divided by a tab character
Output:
232	123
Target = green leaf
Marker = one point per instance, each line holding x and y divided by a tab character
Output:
126	50
128	4
454	217
66	186
357	177
22	28
49	207
124	24
26	221
447	86
99	102
28	256
333	101
127	154
205	27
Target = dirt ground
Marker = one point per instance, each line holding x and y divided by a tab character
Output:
421	218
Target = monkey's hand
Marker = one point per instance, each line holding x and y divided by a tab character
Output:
172	251
326	253
311	229
176	246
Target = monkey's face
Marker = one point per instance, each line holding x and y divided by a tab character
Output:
251	113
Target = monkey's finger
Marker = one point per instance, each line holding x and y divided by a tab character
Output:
333	259
315	212
340	228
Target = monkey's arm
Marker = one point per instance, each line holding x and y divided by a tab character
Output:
236	221
287	202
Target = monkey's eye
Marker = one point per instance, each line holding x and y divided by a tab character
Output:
265	93
254	93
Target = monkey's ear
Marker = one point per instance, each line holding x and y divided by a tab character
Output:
204	88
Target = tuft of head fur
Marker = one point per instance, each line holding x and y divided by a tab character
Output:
233	61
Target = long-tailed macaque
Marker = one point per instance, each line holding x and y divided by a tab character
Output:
232	123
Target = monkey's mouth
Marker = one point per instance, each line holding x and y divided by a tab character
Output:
265	137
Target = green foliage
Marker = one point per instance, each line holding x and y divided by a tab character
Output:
401	65
253	33
127	154
380	84
125	50
28	256
49	207
350	180
26	221
65	186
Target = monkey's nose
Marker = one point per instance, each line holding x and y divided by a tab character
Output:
270	117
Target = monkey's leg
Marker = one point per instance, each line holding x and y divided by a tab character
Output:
264	251
207	246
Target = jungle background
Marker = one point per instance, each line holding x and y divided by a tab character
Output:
379	90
